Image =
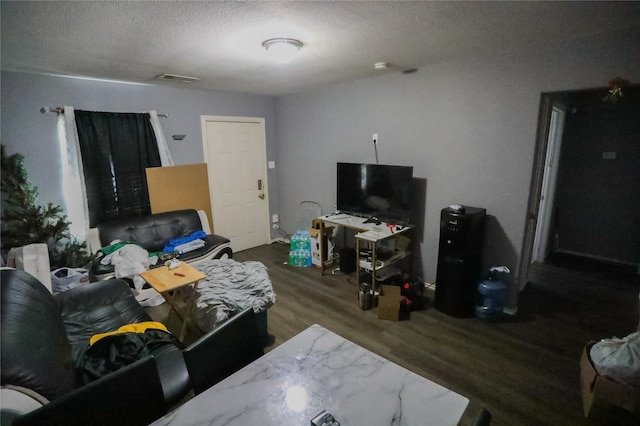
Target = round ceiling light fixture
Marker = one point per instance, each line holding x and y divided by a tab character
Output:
282	50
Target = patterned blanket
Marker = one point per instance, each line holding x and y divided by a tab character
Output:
229	288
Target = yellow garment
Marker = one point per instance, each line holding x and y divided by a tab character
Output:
140	327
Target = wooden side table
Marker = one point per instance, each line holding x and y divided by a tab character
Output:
165	281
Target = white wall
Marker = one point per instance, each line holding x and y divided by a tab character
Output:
27	131
467	127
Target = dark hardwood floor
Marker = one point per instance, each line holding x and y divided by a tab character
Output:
524	369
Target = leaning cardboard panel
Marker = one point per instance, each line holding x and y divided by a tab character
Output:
179	187
602	397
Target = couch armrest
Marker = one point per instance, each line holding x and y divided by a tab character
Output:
35	352
204	221
17	401
93	240
129	396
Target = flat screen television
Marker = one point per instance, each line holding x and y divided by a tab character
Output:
375	190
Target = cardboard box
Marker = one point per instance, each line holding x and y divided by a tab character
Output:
389	301
319	243
603	398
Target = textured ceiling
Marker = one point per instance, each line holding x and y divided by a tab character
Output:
220	42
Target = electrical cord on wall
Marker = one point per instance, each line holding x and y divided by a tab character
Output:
375	148
285	235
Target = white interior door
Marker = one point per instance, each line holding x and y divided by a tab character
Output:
541	243
235	153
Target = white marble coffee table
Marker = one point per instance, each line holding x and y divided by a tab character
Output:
319	370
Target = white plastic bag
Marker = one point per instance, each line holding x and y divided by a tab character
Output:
64	279
618	359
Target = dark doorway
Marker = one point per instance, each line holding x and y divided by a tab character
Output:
595	220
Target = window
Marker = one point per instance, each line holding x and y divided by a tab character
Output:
116	148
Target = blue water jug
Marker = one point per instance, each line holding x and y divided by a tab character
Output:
491	294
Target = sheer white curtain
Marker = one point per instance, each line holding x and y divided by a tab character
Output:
73	176
165	155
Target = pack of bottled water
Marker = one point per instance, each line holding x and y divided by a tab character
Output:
300	250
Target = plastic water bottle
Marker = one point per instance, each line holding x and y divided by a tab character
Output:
307	241
294	241
301	240
295	258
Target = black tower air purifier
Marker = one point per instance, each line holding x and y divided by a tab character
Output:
459	259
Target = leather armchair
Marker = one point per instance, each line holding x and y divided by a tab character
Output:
44	337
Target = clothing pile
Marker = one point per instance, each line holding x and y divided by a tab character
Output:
129	260
186	244
109	352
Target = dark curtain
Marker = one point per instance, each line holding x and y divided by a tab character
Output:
116	149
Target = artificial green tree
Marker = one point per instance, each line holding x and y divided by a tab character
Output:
25	222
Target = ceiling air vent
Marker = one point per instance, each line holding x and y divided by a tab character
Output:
177	78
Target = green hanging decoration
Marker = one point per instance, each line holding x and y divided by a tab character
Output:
615	90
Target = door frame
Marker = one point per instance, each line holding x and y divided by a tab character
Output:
549	179
204	119
535	191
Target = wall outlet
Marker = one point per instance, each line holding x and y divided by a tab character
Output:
375	138
275	218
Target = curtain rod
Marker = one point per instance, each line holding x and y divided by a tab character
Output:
60	110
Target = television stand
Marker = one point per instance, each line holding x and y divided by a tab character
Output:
370	234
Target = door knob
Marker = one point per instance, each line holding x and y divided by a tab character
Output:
261	196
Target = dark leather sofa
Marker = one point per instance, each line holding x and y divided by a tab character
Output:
44	337
154	231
